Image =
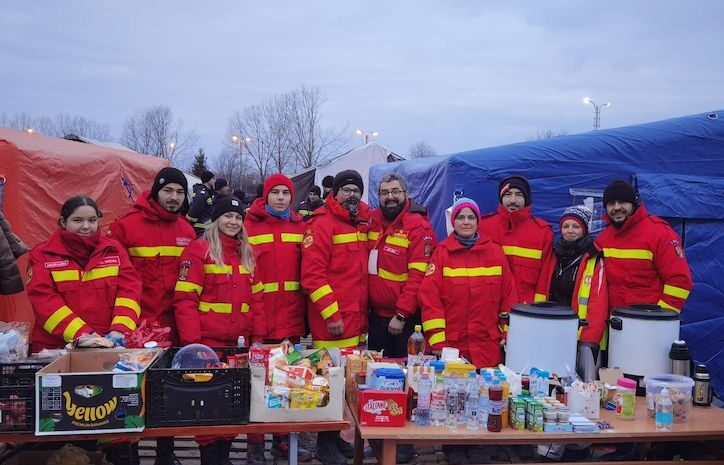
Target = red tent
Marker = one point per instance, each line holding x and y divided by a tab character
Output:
41	172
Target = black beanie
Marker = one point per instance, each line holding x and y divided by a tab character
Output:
226	204
347	177
220	184
515	182
315	190
620	190
328	182
206	176
168	176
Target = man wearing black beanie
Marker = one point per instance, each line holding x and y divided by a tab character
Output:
201	207
527	241
644	256
155	233
327	184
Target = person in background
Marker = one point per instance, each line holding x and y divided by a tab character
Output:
222	188
155	234
199	213
527	241
467	285
275	234
645	260
219	298
11	248
327	186
334	276
311	203
80	282
577	279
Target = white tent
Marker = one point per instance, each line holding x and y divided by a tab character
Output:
359	159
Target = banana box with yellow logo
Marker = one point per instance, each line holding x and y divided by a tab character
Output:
81	393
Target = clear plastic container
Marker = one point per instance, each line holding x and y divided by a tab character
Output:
194	356
680	393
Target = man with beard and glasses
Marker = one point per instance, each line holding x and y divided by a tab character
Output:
527	241
155	233
334	276
644	256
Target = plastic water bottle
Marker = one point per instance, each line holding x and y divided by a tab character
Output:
415	346
424	390
462	395
451	402
664	411
438	409
472	403
484	400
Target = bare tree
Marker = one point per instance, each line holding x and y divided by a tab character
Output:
227	166
153	131
421	150
65	124
19	121
310	141
548	134
247	133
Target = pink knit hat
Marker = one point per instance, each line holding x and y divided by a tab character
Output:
464	202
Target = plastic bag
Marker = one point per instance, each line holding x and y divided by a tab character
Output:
14	340
69	455
149	332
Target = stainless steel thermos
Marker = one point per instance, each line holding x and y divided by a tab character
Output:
702	386
680	359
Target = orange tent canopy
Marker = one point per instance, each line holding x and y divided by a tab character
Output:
43	172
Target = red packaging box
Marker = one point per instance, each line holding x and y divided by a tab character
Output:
381	408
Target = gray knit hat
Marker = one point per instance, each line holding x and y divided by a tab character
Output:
580	213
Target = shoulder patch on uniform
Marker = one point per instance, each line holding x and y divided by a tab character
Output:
308	239
183	273
430	269
428	250
209	201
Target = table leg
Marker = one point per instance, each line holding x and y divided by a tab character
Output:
389	452
293	453
359	448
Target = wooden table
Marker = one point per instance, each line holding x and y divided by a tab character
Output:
704	424
285	428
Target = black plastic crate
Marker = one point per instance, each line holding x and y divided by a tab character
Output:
20	373
173	401
17	409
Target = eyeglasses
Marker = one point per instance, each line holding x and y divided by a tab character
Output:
393	192
348	191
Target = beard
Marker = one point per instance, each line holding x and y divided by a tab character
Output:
390	212
351	205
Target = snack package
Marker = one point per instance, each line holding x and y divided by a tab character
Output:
277	397
281	377
134	361
149	332
303	372
303	398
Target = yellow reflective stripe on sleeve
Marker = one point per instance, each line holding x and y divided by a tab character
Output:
243	270
291	237
373	235
472	272
215	307
292	285
522	252
244	308
304	212
162	251
216	269
321	292
419	266
128	303
437	338
663	304
634	254
435	323
676	291
201	225
54	320
399	241
384	274
353	341
125	321
185	286
540	298
584	291
330	310
67	275
349	238
72	329
256	288
261	239
100	273
363	338
271	287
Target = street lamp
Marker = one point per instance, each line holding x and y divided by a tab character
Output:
596	111
366	135
30	130
240	142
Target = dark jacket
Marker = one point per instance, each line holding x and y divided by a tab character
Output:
11	248
201	208
306	207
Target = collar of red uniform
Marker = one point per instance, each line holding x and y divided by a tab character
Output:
230	245
57	246
632	220
453	245
257	213
339	211
516	218
152	210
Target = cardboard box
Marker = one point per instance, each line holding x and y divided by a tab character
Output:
80	393
381	408
333	411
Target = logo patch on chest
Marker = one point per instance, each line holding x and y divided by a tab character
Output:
108	261
56	264
389	249
183	241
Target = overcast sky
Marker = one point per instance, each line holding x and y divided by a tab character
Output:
458	75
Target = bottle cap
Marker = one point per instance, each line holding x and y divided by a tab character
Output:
418	328
150	344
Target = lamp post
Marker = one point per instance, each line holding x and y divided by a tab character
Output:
240	142
596	111
366	135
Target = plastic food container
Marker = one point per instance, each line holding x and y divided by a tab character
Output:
680	393
388	379
626	399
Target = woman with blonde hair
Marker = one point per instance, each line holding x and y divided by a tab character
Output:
218	297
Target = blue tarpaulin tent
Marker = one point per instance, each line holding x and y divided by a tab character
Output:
677	165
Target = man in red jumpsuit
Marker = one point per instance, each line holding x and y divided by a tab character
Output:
155	233
527	241
334	275
644	256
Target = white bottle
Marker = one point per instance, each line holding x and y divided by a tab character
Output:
664	411
424	390
438	408
451	403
